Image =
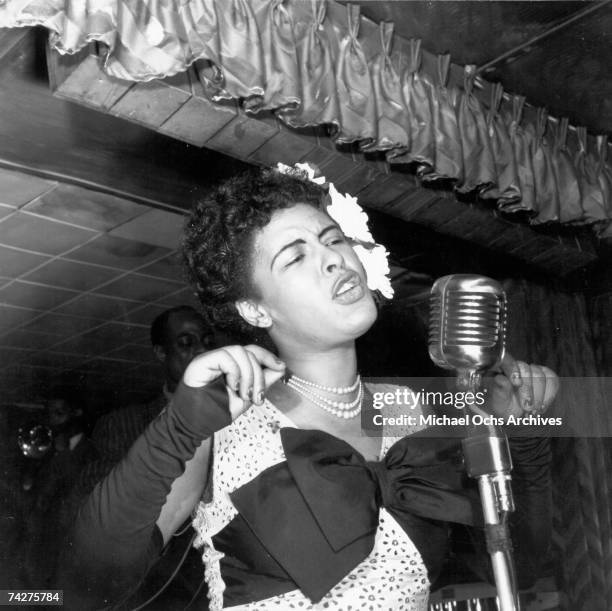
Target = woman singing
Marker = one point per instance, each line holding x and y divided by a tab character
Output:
301	510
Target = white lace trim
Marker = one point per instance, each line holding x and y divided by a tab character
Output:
212	573
200	525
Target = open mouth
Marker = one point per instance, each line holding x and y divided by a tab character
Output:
346	284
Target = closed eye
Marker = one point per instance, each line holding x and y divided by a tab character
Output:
295	259
337	239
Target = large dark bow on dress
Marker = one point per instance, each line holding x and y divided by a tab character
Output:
317	513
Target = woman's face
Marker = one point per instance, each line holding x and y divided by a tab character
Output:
310	281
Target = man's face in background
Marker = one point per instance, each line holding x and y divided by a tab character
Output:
186	335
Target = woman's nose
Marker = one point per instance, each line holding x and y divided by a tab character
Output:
332	259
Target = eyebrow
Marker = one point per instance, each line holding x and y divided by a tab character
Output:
301	241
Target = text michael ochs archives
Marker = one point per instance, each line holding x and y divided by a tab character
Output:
408	400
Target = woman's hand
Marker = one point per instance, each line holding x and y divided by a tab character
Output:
248	371
522	388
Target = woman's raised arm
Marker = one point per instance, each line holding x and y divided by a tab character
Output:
245	373
124	523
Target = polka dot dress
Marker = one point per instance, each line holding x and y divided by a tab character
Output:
392	577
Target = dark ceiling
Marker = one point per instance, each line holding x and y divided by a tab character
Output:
569	71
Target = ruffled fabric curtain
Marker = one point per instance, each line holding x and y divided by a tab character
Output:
506	189
420	151
308	64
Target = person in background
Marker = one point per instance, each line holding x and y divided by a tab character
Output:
178	335
50	517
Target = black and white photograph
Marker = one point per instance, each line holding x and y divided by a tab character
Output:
306	304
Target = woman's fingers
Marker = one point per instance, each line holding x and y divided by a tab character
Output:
248	371
235	364
230	368
266	358
545	387
539	387
534	386
256	375
273	368
257	369
258	387
244	388
525	390
510	368
520	377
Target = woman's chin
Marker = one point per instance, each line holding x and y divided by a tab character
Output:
362	318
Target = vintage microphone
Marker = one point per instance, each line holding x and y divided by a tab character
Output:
467	332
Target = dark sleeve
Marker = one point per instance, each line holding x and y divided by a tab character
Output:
112	437
115	539
530	524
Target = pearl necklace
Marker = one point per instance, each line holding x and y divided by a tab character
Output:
339	409
336	390
341	405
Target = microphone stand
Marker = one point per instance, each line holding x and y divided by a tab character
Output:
487	459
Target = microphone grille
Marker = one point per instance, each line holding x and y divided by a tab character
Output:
472	319
435	318
467	322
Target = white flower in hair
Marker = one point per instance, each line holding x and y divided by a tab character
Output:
376	265
345	210
353	221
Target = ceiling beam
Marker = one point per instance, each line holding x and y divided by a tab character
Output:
49	137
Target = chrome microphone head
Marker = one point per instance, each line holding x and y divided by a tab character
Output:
467	327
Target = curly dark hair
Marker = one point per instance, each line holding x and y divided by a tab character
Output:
219	235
